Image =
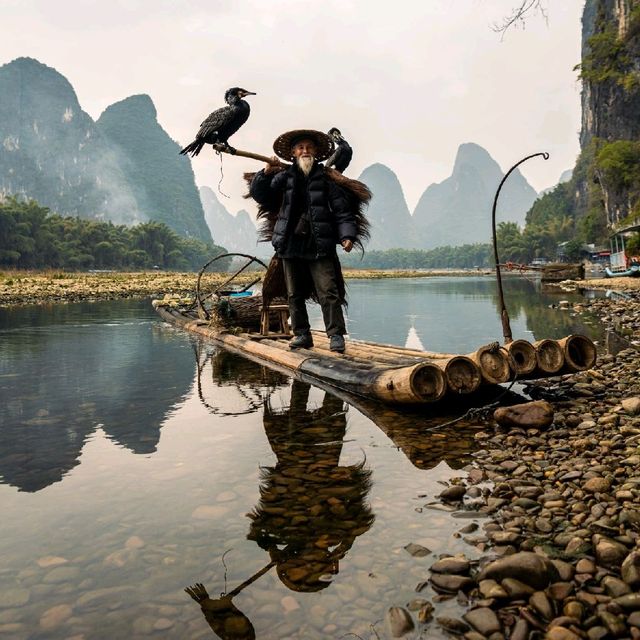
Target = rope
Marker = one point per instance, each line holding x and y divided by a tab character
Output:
479	413
221	177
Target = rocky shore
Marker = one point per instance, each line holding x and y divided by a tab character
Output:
556	534
38	287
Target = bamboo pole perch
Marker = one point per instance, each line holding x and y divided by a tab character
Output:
221	148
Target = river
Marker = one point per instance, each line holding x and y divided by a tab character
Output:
136	461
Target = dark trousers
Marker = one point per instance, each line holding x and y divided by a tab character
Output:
323	274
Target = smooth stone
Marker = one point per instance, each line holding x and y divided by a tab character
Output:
609	553
453	493
532	569
162	624
631	405
450	583
585	565
483	620
134	542
515	589
565	569
597	485
520	630
61	574
629	602
630	569
416	604
540	602
634	619
425	614
17	597
399	622
504	537
613	623
417	550
51	561
560	590
561	633
615	587
289	604
209	512
491	589
453	625
538	414
451	565
55	616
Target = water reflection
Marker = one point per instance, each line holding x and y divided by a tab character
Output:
66	370
311	508
435	312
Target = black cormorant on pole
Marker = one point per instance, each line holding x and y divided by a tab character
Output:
342	155
222	123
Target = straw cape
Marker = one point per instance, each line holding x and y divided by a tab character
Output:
284	143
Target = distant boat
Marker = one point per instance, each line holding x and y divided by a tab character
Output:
622	265
632	272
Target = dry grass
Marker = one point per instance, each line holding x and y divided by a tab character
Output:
32	287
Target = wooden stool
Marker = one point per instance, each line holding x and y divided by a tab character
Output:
283	317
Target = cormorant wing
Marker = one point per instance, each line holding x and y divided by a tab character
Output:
215	120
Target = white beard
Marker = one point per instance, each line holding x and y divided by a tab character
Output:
306	164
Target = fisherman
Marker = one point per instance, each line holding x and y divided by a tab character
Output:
308	211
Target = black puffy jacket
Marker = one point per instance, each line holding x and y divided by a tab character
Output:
330	211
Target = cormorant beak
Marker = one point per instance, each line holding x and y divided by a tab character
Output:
243	92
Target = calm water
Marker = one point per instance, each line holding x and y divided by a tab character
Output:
135	461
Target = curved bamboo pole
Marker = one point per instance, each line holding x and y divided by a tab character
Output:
504	316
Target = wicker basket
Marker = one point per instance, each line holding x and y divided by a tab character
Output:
243	312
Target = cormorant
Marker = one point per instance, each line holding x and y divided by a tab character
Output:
342	155
223	122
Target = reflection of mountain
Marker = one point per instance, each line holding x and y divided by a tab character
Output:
122	373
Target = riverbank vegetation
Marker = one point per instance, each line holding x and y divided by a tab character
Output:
31	237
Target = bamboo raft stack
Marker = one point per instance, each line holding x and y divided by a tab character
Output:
393	374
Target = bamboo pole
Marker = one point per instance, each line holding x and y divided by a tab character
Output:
549	356
461	373
220	148
523	356
579	352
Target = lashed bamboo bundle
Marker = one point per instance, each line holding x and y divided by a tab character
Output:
397	375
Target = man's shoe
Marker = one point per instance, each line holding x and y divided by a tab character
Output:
304	341
336	343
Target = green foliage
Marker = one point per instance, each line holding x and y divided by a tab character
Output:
607	60
467	256
619	163
32	238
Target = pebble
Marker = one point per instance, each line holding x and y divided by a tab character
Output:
451	565
55	616
484	620
399	622
16	597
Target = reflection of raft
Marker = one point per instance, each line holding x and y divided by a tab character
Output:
393	374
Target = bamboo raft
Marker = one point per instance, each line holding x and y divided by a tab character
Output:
393	374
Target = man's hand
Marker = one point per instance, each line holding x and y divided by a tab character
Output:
347	245
271	167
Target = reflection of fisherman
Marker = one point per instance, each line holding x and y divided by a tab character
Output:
310	512
311	509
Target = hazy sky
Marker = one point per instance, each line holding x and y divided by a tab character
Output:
405	81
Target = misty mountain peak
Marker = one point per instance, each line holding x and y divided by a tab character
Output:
140	105
473	155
